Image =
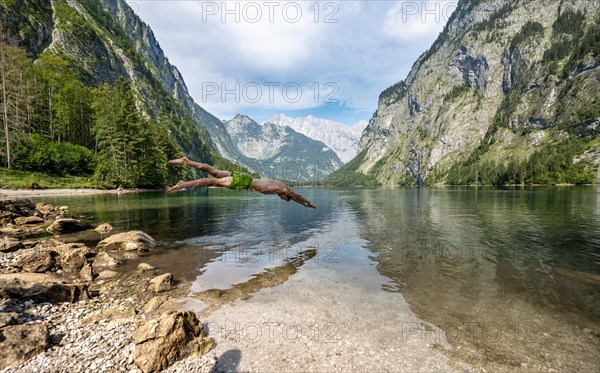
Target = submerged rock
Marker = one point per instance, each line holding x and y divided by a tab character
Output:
127	241
103	228
160	343
144	267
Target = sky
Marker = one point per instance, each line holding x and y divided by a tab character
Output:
330	59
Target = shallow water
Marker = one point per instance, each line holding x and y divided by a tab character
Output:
510	277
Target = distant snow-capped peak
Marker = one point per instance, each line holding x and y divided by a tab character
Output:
342	139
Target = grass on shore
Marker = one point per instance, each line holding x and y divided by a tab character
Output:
13	179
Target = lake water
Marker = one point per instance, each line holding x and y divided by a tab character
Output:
511	277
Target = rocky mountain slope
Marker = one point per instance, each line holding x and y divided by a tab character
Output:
104	40
508	93
343	140
279	151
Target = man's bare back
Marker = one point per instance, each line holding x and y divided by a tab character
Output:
235	180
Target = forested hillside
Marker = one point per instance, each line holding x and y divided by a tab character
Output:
80	97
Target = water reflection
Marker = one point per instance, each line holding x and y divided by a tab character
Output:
512	277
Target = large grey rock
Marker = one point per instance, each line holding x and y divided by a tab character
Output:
67	225
127	241
22	342
41	287
176	335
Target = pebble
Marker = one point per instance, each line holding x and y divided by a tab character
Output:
81	347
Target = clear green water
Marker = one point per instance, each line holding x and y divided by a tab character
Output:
512	277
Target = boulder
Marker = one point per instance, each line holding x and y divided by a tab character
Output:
73	261
23	220
41	287
36	261
21	342
103	228
127	241
87	273
67	225
176	335
8	318
104	259
161	283
10	244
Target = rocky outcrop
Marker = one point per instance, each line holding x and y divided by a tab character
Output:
472	71
159	343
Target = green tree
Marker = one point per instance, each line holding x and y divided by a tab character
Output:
14	90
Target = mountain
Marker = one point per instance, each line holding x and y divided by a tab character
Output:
104	40
343	140
508	93
280	152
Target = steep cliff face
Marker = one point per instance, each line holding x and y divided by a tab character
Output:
279	151
505	79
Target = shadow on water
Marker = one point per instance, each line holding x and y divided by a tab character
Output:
511	277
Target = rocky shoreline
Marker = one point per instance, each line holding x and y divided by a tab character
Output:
66	307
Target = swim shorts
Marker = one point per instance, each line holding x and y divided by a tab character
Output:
241	180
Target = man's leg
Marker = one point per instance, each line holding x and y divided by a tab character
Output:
223	182
200	166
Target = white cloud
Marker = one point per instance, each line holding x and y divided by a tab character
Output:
360	47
